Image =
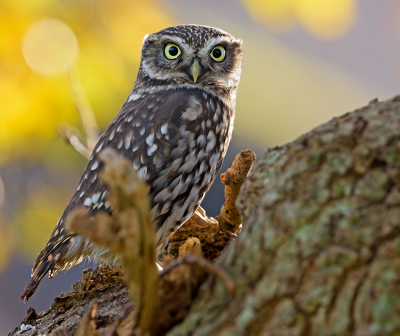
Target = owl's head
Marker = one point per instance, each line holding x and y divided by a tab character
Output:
191	55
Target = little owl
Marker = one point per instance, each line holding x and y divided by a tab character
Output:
175	128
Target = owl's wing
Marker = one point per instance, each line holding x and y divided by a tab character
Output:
175	140
166	135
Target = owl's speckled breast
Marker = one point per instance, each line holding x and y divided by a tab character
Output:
190	148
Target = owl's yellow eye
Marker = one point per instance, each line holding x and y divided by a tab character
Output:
172	51
218	54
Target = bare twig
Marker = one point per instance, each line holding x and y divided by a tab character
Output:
204	263
83	106
72	138
87	116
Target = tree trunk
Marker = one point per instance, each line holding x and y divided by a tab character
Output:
319	253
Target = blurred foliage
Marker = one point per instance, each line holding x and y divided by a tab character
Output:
39	39
327	19
38	217
283	94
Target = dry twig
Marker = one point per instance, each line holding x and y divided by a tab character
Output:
128	232
84	108
70	136
86	113
230	219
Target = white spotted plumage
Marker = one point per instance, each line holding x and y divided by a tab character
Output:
174	128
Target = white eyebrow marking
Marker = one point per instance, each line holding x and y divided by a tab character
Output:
211	43
181	43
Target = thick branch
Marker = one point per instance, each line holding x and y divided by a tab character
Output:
319	250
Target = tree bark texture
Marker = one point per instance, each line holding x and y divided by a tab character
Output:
319	252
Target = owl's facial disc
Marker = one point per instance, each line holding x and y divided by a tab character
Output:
192	55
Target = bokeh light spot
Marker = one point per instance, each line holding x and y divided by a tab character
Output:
278	14
49	46
328	19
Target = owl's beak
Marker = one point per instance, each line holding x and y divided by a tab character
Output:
195	70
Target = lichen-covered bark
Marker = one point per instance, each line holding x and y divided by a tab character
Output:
319	253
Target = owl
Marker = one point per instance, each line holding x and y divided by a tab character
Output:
175	128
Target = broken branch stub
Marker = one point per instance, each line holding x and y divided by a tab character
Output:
233	179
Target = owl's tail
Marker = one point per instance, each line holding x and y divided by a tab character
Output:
48	262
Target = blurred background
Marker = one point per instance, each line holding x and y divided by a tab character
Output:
305	61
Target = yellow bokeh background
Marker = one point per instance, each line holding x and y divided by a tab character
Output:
282	93
40	38
327	19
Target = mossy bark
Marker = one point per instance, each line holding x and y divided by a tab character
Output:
319	253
